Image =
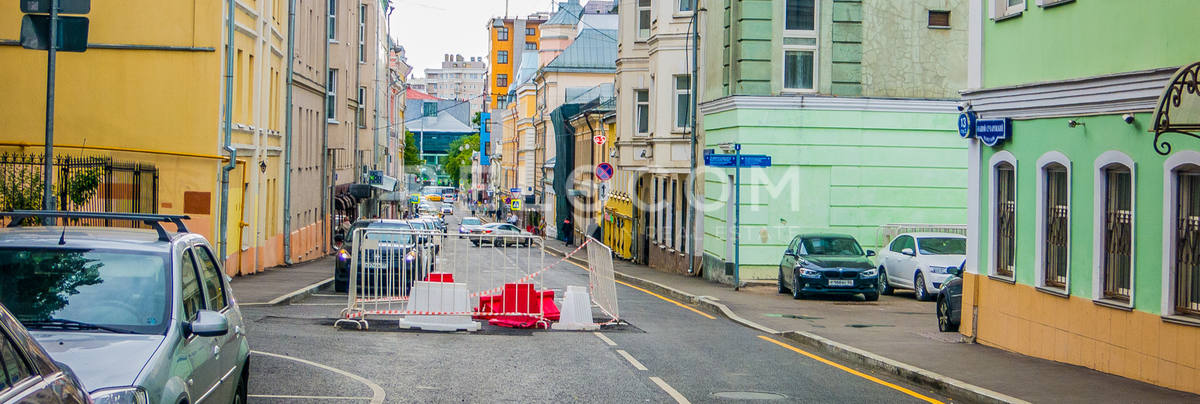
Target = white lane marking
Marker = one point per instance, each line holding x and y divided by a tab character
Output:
377	394
679	398
306	397
605	339
637	365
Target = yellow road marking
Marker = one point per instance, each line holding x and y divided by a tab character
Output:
852	371
710	317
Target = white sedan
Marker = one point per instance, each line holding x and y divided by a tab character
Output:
919	261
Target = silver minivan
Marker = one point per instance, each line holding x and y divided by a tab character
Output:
139	315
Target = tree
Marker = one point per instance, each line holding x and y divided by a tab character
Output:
412	157
457	159
475	119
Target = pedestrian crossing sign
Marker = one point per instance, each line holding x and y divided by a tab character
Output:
516	204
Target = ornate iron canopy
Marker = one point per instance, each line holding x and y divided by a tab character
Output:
1178	109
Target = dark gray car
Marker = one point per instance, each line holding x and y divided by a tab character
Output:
949	300
140	316
27	374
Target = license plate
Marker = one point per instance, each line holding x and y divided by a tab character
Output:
841	282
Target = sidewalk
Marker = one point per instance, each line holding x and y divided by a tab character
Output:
903	330
275	284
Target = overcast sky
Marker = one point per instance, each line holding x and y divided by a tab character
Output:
430	28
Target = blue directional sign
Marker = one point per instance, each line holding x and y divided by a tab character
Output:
730	160
993	131
514	191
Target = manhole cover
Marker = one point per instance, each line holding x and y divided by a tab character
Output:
749	395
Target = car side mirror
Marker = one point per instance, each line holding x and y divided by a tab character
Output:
909	252
870	253
209	323
789	252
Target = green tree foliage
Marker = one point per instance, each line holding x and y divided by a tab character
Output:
412	157
457	163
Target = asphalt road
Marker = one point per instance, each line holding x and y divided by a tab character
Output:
664	353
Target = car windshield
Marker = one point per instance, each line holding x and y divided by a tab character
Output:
390	232
831	246
942	245
470	221
86	290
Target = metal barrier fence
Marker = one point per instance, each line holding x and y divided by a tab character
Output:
601	281
501	275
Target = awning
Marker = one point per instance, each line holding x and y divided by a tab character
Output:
1178	109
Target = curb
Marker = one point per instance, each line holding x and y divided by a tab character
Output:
949	386
294	296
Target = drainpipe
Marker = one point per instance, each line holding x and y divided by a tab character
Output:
287	150
691	236
326	198
228	129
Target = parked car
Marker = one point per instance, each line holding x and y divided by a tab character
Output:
447	209
468	223
140	315
949	300
397	249
27	374
919	261
827	264
495	234
438	221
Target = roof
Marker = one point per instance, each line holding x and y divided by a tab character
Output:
598	21
443	122
116	238
599	7
417	95
568	14
812	235
593	51
526	71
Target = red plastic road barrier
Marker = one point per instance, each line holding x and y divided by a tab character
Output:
440	277
519	298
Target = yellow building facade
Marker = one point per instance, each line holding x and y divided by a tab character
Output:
149	89
508	38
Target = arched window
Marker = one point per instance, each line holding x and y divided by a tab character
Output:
1053	221
1003	220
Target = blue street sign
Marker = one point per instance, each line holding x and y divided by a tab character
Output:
966	124
993	131
604	171
729	160
514	190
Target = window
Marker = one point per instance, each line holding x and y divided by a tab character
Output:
1117	236
1187	242
13	367
683	102
332	28
687	5
1002	9
362	33
193	302
429	109
530	31
798	72
1005	218
361	116
799	15
502	57
643	19
939	19
531	46
642	111
502	34
331	96
1055	234
210	273
501	80
902	242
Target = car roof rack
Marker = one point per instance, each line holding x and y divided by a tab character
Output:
153	220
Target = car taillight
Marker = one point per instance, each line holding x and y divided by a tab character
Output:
487	232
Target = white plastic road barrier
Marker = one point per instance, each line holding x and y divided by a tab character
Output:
576	311
601	280
439	297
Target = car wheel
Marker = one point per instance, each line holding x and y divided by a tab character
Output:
884	287
782	288
871	297
919	286
943	316
476	243
239	397
796	293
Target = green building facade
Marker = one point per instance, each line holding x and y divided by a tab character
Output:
1084	222
855	101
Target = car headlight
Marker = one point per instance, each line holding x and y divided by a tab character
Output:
343	255
869	273
120	395
810	273
412	255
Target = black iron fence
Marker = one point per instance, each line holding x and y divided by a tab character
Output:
82	184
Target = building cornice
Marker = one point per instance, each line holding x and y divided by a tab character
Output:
1121	92
828	103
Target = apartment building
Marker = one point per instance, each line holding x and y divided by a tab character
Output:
508	41
459	79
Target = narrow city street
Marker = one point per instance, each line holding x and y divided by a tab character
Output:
664	352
